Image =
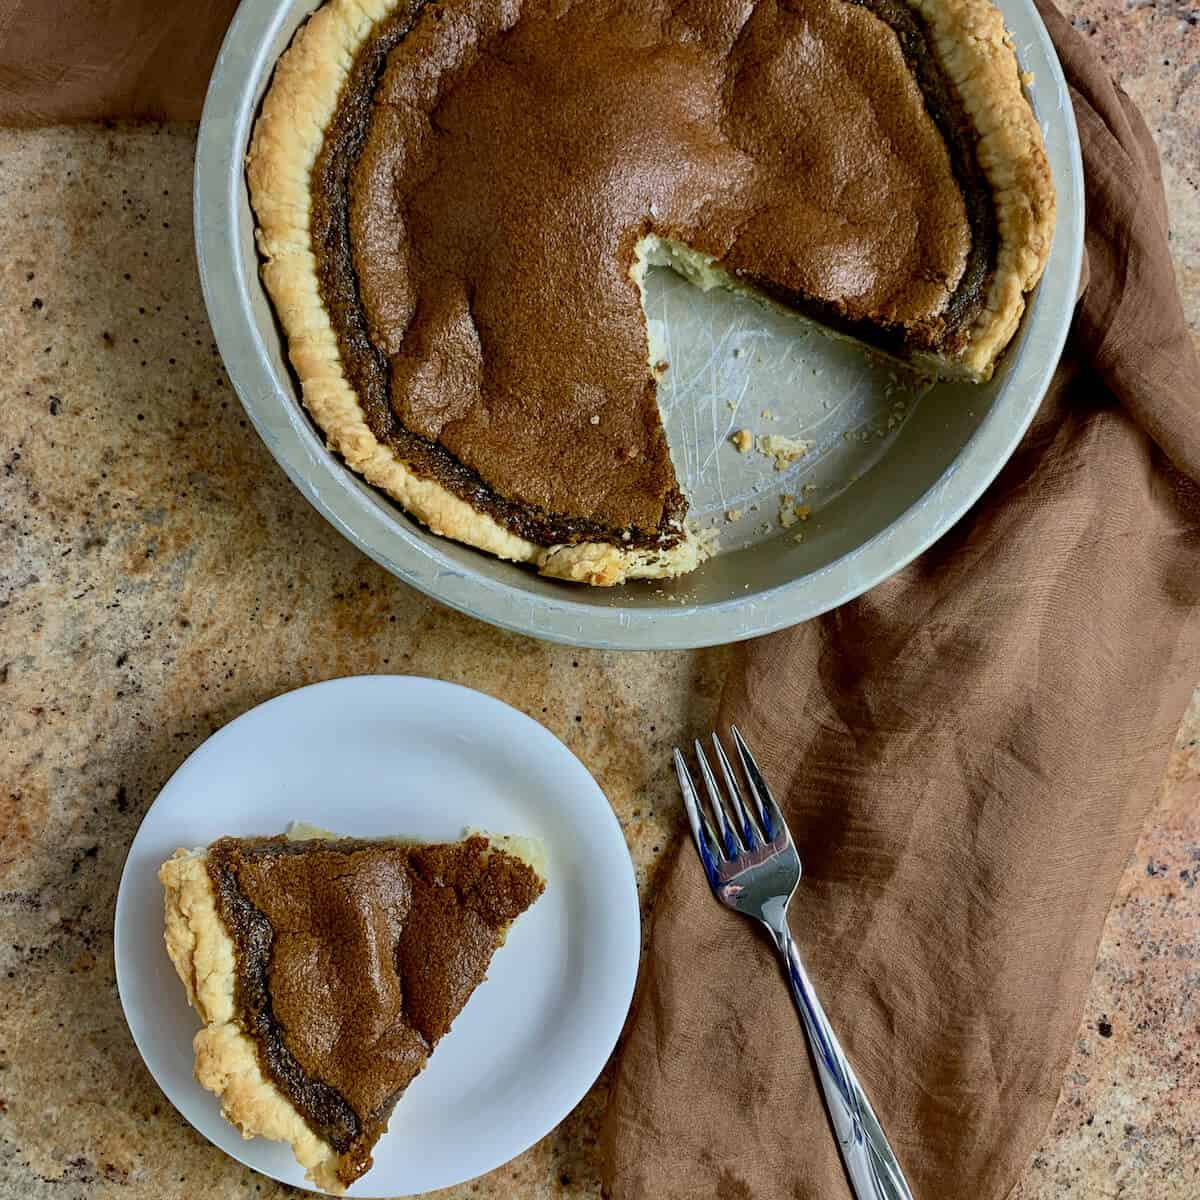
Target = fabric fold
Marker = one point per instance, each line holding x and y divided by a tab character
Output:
80	60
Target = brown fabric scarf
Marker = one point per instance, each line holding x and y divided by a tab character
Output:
78	60
965	757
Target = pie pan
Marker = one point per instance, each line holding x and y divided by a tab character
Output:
893	465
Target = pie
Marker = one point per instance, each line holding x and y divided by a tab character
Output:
457	202
326	970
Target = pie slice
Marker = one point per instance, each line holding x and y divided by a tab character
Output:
457	203
327	969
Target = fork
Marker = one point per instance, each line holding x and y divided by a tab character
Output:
753	868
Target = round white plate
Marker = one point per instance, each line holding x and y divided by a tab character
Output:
392	755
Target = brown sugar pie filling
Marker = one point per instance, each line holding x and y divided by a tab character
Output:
457	203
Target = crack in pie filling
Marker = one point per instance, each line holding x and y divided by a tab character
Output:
327	969
457	202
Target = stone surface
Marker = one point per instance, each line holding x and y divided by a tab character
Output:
159	576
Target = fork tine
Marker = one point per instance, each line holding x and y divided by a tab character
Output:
768	811
729	835
702	834
751	835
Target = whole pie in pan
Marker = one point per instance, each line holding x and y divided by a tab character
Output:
326	971
457	202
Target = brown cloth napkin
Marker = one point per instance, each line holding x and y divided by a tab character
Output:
965	757
76	60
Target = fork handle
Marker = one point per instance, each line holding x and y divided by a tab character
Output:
871	1165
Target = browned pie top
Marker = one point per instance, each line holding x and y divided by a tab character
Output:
515	153
353	958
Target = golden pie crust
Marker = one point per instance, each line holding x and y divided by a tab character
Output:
976	54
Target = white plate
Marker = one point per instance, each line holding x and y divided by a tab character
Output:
384	755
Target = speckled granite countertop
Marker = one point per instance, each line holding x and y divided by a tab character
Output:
159	576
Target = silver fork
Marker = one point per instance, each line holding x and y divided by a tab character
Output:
753	868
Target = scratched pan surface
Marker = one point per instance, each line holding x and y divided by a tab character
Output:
737	367
893	462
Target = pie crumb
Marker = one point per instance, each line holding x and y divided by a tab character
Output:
743	440
784	450
734	514
790	512
709	541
